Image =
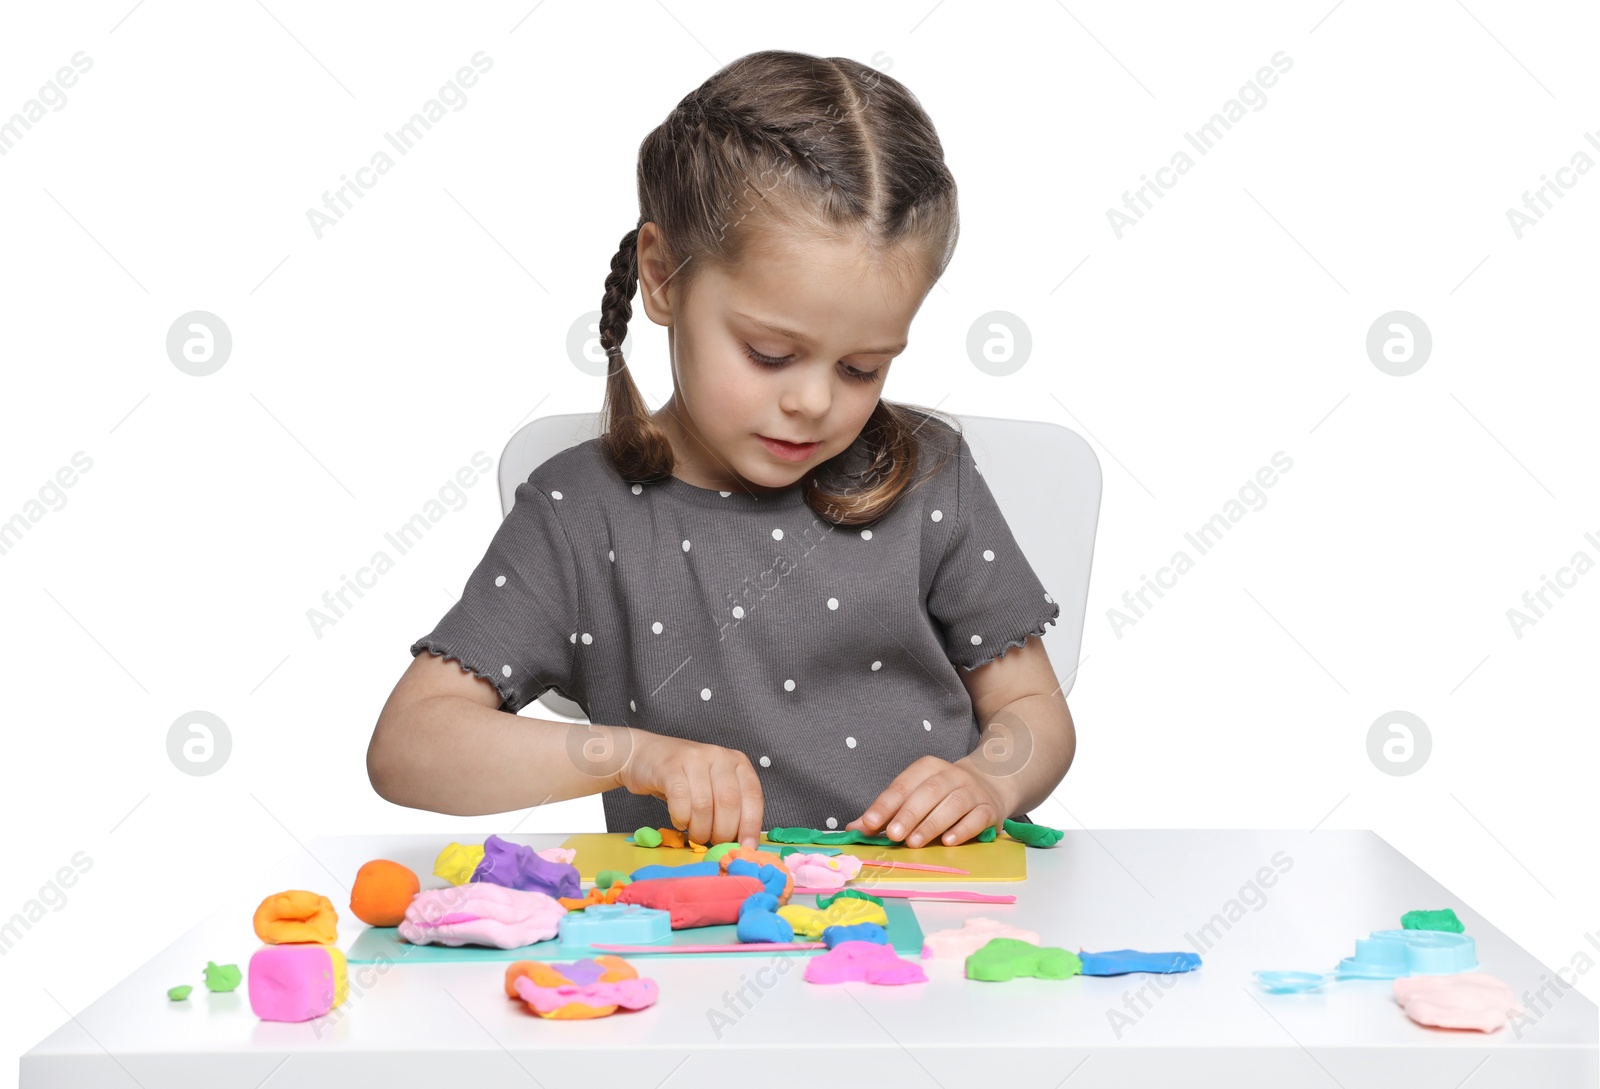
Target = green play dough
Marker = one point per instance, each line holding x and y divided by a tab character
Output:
715	853
1034	835
1008	958
179	993
222	977
606	878
647	837
1443	919
854	894
852	835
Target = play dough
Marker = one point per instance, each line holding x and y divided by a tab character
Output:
647	837
1443	919
296	916
296	982
616	924
824	901
382	891
593	987
759	920
866	962
1007	958
519	867
1468	1000
857	932
457	861
823	871
481	913
699	900
179	993
854	835
959	943
809	923
222	977
1034	835
1119	962
772	873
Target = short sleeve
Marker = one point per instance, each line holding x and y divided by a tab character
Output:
515	622
985	595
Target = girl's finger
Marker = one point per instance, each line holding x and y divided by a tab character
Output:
949	809
751	805
701	802
727	797
968	826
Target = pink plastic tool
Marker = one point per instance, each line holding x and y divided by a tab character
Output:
917	894
737	947
913	866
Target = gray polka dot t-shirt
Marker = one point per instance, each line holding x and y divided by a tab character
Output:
829	655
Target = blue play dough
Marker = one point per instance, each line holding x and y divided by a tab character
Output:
1118	962
855	932
759	920
691	869
774	877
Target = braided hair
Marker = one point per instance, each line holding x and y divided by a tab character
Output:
821	143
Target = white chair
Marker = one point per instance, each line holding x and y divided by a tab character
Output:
1044	476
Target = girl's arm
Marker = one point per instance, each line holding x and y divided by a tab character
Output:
443	744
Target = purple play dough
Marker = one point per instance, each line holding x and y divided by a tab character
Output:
518	867
581	972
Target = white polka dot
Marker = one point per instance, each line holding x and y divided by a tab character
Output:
500	580
788	686
833	603
505	671
632	706
1050	599
656	627
612	555
926	725
866	535
877	665
587	638
976	639
686	546
766	761
833	822
850	741
573	638
705	693
724	494
988	554
555	495
637	488
937	516
738	612
777	535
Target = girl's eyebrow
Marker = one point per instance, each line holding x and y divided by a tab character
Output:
803	339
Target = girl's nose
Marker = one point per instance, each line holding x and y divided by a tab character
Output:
808	393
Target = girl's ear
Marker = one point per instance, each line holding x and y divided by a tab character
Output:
658	289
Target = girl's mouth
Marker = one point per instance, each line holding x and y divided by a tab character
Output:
789	451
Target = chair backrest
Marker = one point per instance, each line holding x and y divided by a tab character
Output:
1045	478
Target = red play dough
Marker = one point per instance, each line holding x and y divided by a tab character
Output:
702	900
382	892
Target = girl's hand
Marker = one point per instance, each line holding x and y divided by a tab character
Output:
712	792
933	796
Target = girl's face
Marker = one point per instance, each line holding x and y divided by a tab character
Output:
794	346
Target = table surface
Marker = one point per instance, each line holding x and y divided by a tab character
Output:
1243	899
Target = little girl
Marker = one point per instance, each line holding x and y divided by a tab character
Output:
780	599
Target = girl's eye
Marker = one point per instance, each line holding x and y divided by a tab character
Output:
850	372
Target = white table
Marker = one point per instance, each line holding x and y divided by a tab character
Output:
429	1025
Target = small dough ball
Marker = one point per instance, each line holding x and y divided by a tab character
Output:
382	892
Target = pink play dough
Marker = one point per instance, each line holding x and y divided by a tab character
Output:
961	942
558	854
481	913
866	962
291	982
822	871
630	994
1471	1000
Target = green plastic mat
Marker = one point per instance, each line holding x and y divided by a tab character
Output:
382	944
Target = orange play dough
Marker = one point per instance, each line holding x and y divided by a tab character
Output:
382	892
296	916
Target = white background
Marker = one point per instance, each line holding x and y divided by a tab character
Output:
369	365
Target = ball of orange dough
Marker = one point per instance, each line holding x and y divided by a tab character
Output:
296	916
382	892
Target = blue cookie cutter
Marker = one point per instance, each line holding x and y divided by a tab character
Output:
1385	954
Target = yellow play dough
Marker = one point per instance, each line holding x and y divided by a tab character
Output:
457	862
809	923
341	977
